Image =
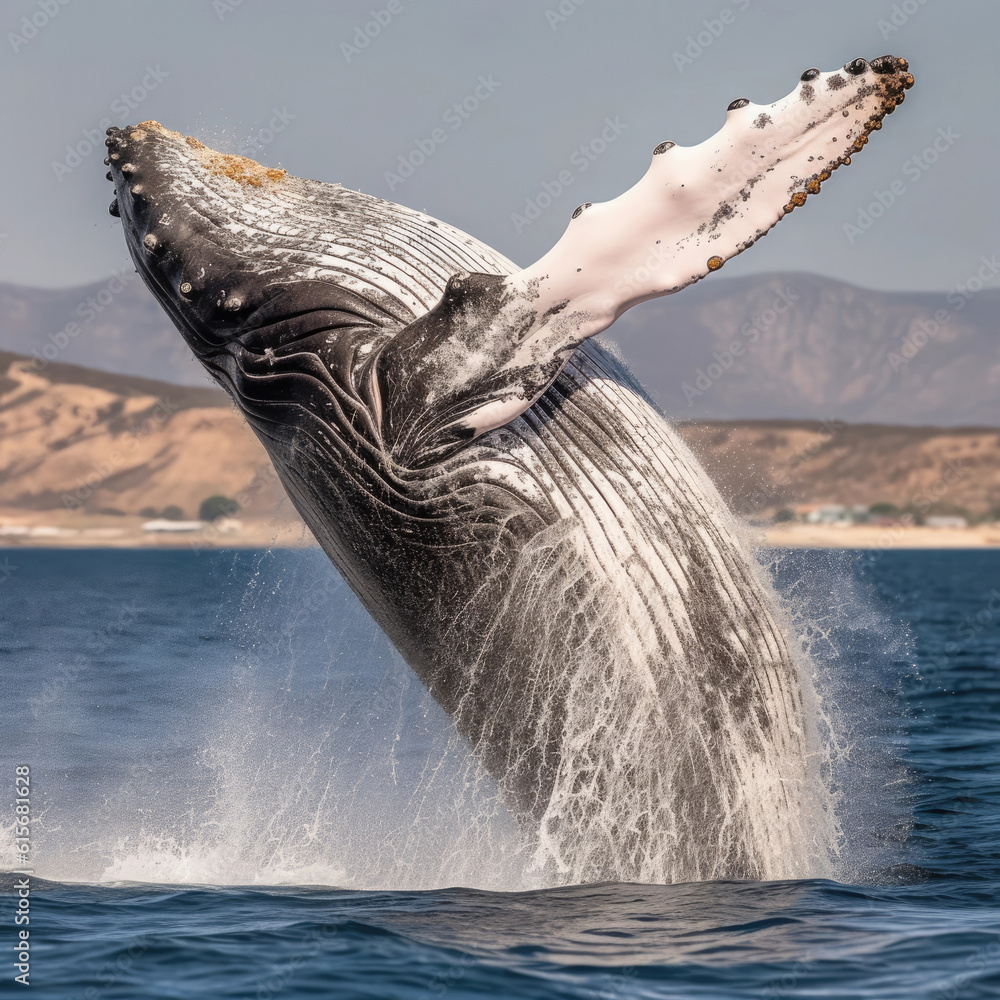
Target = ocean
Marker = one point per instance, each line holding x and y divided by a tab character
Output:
237	789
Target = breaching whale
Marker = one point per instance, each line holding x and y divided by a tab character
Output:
499	492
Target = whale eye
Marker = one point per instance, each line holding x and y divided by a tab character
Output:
856	67
663	147
580	209
809	74
740	102
714	263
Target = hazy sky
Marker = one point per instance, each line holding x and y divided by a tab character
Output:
294	77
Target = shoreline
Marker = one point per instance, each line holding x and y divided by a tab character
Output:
873	536
63	530
56	530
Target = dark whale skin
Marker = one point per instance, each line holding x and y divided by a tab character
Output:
568	585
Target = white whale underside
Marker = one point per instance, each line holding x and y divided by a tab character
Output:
653	756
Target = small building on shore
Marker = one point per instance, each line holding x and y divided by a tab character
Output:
945	521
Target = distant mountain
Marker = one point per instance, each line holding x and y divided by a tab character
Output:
806	347
56	373
762	465
809	347
82	442
114	325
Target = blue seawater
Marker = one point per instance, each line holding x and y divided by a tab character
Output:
238	790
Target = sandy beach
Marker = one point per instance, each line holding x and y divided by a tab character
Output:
56	529
67	529
872	536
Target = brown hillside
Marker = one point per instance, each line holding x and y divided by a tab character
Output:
73	439
78	441
765	464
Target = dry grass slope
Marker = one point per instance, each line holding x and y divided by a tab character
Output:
78	441
83	446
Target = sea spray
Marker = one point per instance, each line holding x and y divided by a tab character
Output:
291	745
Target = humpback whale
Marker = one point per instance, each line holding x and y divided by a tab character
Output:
498	490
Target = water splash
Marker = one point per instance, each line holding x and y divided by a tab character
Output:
859	659
300	749
644	760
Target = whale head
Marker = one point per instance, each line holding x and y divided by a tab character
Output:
244	258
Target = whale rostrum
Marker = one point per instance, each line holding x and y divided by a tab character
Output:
499	492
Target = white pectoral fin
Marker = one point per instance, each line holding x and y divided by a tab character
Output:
493	345
698	206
